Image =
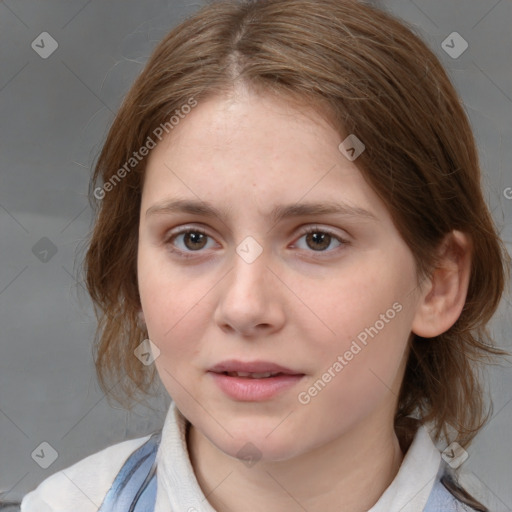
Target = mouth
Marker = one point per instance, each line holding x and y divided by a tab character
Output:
252	369
254	381
249	375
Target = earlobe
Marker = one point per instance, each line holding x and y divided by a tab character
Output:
442	300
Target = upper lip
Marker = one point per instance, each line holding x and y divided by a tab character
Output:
233	365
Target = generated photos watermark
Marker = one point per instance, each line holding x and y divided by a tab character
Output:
305	397
138	156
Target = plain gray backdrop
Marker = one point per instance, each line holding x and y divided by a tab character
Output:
55	111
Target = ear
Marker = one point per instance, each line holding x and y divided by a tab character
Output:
444	294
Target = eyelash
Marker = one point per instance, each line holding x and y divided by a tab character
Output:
190	254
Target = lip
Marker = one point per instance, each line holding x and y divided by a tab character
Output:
248	389
234	365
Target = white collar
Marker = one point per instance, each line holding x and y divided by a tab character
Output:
410	489
178	489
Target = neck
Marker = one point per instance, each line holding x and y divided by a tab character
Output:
354	469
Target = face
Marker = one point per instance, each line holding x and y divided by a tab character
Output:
331	296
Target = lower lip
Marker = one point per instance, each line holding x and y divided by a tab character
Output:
254	390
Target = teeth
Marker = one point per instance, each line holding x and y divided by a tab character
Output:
252	375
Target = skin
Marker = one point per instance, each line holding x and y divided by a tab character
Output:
296	305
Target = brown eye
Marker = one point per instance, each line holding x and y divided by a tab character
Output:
194	240
188	241
319	240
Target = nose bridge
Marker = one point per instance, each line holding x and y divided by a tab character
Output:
248	296
250	266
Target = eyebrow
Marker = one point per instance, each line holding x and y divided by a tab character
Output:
277	214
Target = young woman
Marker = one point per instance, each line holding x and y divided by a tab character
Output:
290	216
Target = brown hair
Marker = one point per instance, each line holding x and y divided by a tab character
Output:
385	86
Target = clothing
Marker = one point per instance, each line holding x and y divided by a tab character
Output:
155	471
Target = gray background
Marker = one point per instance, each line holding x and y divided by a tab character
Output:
54	115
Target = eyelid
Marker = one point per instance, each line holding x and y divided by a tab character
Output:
315	227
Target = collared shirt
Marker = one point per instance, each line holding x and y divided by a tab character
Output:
126	472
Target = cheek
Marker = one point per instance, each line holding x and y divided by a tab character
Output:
347	304
165	292
168	303
353	377
369	317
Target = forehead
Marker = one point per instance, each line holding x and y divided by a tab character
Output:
243	119
253	149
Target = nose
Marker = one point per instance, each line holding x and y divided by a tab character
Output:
250	298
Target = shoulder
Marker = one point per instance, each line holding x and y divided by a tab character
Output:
82	486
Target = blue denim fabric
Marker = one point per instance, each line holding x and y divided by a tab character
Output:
441	499
134	488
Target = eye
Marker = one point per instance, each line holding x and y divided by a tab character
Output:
320	239
193	240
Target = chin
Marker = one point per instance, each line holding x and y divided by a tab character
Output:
253	448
